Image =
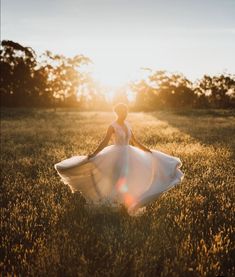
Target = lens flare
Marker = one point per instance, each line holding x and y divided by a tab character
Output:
121	185
128	199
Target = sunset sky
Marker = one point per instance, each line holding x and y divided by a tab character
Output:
189	36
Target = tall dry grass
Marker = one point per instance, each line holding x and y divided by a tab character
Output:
48	231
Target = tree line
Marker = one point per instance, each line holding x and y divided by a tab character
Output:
51	80
171	90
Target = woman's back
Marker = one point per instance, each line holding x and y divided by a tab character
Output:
122	133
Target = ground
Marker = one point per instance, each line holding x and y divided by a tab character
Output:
47	230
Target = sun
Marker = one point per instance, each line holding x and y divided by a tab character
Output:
110	74
115	76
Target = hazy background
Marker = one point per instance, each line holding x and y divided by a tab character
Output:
192	37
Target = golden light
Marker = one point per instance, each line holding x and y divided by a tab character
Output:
116	69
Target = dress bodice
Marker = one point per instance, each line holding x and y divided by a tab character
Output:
121	136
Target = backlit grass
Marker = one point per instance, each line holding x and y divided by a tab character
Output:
47	231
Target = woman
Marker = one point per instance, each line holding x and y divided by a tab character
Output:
132	175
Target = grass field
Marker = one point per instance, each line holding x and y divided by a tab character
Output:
48	231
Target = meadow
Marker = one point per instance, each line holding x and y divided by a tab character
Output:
48	231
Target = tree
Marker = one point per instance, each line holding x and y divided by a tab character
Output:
26	81
64	77
162	89
17	65
218	90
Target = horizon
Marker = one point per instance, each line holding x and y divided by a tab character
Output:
121	38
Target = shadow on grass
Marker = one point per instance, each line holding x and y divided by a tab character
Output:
211	127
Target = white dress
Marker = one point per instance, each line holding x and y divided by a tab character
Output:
121	173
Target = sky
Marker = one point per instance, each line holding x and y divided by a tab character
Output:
194	37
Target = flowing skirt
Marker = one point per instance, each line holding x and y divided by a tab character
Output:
121	174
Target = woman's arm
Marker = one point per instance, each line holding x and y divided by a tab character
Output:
138	144
103	143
